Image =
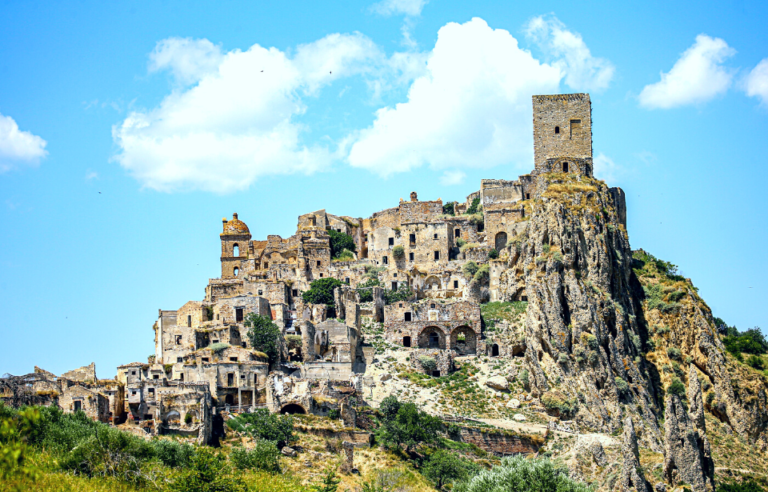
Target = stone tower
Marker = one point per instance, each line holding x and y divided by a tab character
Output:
235	239
562	134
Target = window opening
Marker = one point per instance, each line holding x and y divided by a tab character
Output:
394	285
391	241
385	260
78	405
455	284
495	350
295	292
179	359
557	129
261	292
434	236
434	340
156	376
432	306
178	339
235	250
189	320
565	167
205	359
437	255
527	196
318	262
412	239
406	341
233	359
236	271
410	256
230	379
407	316
239	314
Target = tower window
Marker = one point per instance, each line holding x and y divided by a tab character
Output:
435	236
318	262
455	284
235	250
410	256
394	285
391	241
189	320
236	272
238	314
407	316
557	129
437	255
412	238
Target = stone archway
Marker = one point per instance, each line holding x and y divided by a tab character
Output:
293	409
432	283
432	337
172	417
495	350
464	340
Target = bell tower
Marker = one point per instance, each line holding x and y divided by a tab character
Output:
235	239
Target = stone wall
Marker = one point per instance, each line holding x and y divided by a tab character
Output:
500	443
562	127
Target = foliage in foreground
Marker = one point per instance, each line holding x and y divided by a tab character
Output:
518	474
405	424
264	456
445	467
208	472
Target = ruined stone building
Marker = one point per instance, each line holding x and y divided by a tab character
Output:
204	362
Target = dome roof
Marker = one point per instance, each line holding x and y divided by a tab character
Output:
235	226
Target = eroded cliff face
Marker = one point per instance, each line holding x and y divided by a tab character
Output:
606	333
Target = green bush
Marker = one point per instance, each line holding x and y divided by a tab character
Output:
751	341
474	207
674	353
403	293
208	472
263	334
367	295
444	468
747	486
262	424
676	387
556	402
321	291
755	362
483	273
449	208
519	474
334	414
460	242
264	456
524	378
493	254
219	346
405	424
590	340
345	255
398	252
469	269
428	363
622	386
341	242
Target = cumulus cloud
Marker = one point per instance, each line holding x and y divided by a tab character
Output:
18	147
756	83
606	169
697	76
570	54
399	7
452	177
470	108
235	124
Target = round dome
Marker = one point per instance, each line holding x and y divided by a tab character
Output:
235	226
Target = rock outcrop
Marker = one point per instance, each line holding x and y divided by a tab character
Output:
632	478
686	451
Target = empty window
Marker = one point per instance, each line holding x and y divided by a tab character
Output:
178	339
432	306
565	167
235	250
407	316
179	359
455	284
233	359
434	236
78	405
338	230
437	255
181	376
217	316
189	320
231	379
236	272
527	196
155	376
557	129
243	344
205	359
261	292
391	241
394	275
575	125
321	275
318	263
410	256
133	373
384	260
346	280
295	292
242	376
406	341
412	238
394	285
457	233
266	265
238	314
151	391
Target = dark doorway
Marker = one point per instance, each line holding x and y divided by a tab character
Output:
501	241
436	374
229	400
434	340
495	350
78	405
407	317
565	167
239	314
406	341
292	409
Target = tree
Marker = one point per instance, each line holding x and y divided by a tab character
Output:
208	472
518	474
470	268
409	425
340	242
398	252
449	208
321	291
329	483
262	424
263	334
445	467
493	254
473	208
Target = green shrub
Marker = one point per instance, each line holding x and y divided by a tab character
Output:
524	378
674	353
622	386
449	208
208	472
746	486
493	254
263	334
219	346
403	293
367	294
562	359
751	341
398	252
405	424
557	402
590	340
345	255
519	474
483	273
755	362
188	418
444	468
340	242
262	424
428	363
321	291
676	387
469	269
474	207
334	414
460	242
263	456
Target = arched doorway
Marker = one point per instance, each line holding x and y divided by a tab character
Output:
501	241
495	350
406	341
464	340
293	409
432	337
172	417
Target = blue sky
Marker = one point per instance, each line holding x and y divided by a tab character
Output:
128	130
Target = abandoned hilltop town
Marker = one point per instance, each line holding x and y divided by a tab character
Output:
444	259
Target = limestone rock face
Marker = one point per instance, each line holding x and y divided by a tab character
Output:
498	383
684	449
632	479
581	324
513	403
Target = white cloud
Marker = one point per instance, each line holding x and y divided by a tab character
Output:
236	123
571	54
17	147
189	60
757	82
697	76
606	169
470	108
452	177
395	7
91	175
